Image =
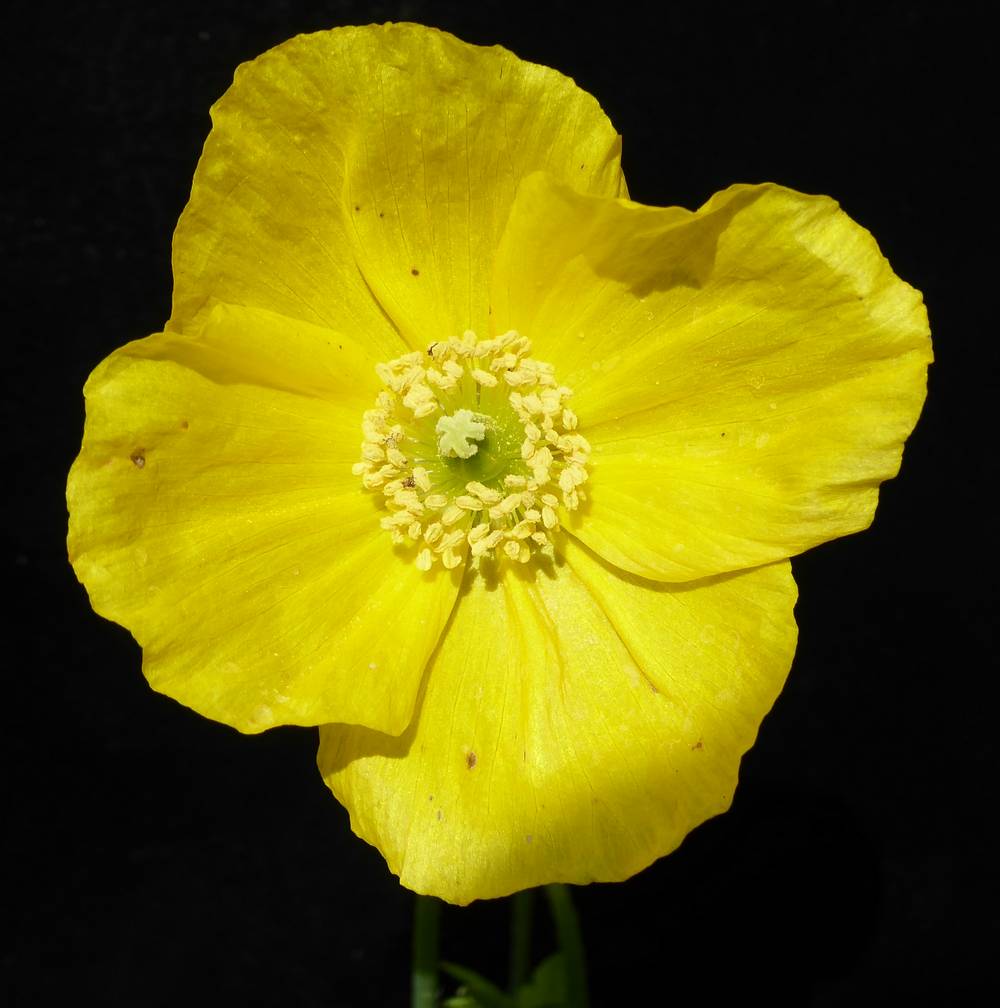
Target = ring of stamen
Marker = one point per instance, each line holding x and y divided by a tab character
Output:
473	449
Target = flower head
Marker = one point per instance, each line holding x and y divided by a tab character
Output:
453	450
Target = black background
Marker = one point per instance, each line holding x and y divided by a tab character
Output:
156	858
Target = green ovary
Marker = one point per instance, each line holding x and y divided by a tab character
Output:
498	453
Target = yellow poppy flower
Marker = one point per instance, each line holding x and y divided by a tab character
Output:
453	450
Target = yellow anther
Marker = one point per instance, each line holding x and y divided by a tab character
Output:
452	539
542	457
408	499
506	506
504	362
479	548
452	514
424	409
441	381
531	404
484	493
485	378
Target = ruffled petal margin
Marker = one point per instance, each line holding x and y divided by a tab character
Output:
574	725
746	374
214	514
379	159
266	225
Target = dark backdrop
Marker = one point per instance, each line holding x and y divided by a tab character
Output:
156	858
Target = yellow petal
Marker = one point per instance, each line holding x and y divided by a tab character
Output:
746	374
214	514
445	133
267	224
574	726
393	148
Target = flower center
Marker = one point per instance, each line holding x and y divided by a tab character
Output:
473	450
458	432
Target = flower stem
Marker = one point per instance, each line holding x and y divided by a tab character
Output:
426	944
522	906
570	943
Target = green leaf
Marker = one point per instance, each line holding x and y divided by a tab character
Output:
486	994
461	1000
547	986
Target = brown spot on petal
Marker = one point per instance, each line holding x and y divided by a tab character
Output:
697	745
138	458
415	271
470	759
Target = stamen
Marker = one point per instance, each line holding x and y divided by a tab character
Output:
473	450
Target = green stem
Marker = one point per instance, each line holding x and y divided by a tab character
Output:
426	944
570	943
521	912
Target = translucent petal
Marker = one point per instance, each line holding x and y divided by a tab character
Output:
746	374
574	726
266	225
213	513
450	130
376	159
